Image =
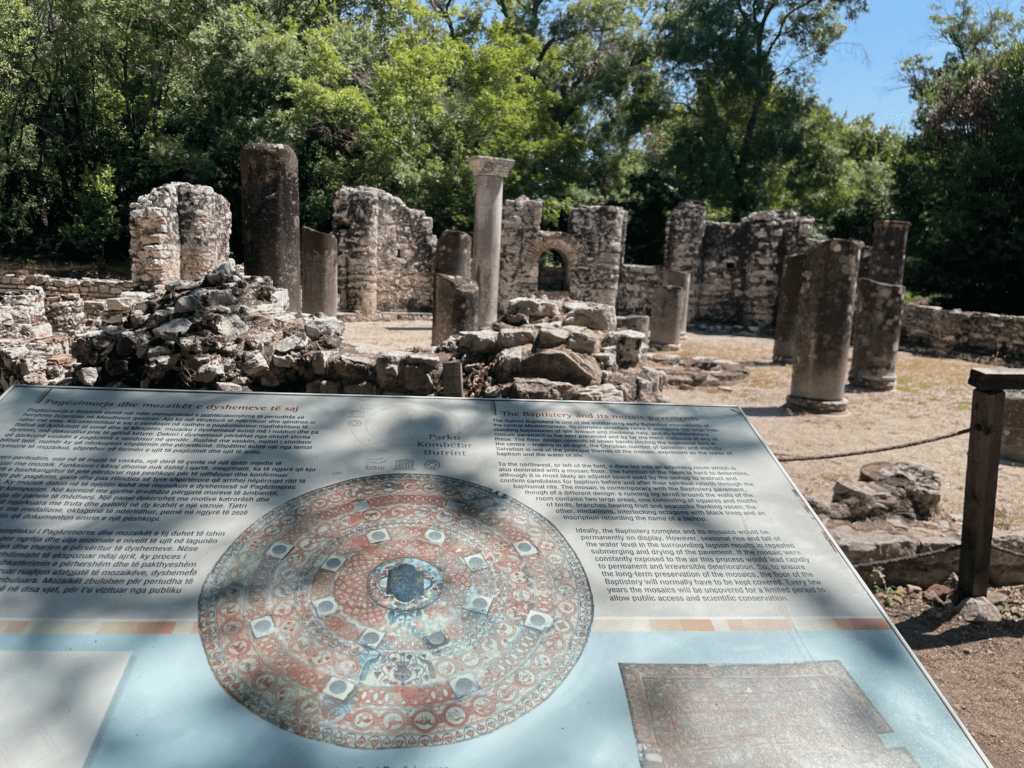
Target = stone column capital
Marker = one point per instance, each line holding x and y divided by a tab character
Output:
490	166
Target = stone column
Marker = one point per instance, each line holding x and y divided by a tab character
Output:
669	307
888	251
684	235
490	173
270	217
821	350
788	305
454	254
455	306
319	272
876	334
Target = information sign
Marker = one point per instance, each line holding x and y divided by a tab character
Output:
359	582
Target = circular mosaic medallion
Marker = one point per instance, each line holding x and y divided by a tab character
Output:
395	611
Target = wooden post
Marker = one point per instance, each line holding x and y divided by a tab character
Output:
982	475
451	379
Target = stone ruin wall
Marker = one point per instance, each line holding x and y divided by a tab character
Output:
734	266
385	252
949	331
179	231
591	249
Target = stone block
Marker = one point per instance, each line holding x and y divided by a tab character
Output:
599	317
561	365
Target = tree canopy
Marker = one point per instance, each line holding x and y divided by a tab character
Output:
641	103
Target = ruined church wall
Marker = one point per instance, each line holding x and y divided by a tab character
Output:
734	266
591	249
385	252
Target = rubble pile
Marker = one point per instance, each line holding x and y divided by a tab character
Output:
557	350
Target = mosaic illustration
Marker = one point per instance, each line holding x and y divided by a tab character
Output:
794	715
395	610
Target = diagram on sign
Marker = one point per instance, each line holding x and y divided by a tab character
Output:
716	715
396	610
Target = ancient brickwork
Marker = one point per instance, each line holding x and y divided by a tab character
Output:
86	287
385	252
735	276
178	231
23	314
952	330
590	250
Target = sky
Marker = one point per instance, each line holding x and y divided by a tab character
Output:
861	85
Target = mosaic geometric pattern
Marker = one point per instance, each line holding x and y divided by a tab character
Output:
394	611
809	715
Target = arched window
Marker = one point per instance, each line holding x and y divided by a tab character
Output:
551	275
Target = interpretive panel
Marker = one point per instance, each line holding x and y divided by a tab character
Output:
359	582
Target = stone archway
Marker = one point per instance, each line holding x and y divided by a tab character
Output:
557	276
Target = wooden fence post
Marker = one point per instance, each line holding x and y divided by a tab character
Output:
983	475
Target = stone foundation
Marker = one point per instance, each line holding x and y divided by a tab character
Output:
953	331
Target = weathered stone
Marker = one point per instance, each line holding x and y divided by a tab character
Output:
173	329
508	364
456	305
561	365
254	364
231	326
607	393
919	485
583	340
533	307
478	342
351	368
270	216
876	335
889	251
319	259
544	389
386	252
978	610
628	348
454	255
388	370
317	328
88	376
552	336
669	311
517	337
599	317
640	323
824	323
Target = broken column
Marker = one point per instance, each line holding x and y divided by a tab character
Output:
270	217
888	251
455	306
788	305
684	235
490	174
821	349
454	254
319	272
876	334
456	296
669	305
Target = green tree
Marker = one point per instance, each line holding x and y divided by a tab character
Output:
962	178
743	70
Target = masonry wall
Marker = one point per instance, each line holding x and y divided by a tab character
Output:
385	252
946	331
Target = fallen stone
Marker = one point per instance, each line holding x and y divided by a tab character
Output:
561	365
978	610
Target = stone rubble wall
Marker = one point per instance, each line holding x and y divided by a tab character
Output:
385	252
86	287
948	331
557	350
591	249
178	231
